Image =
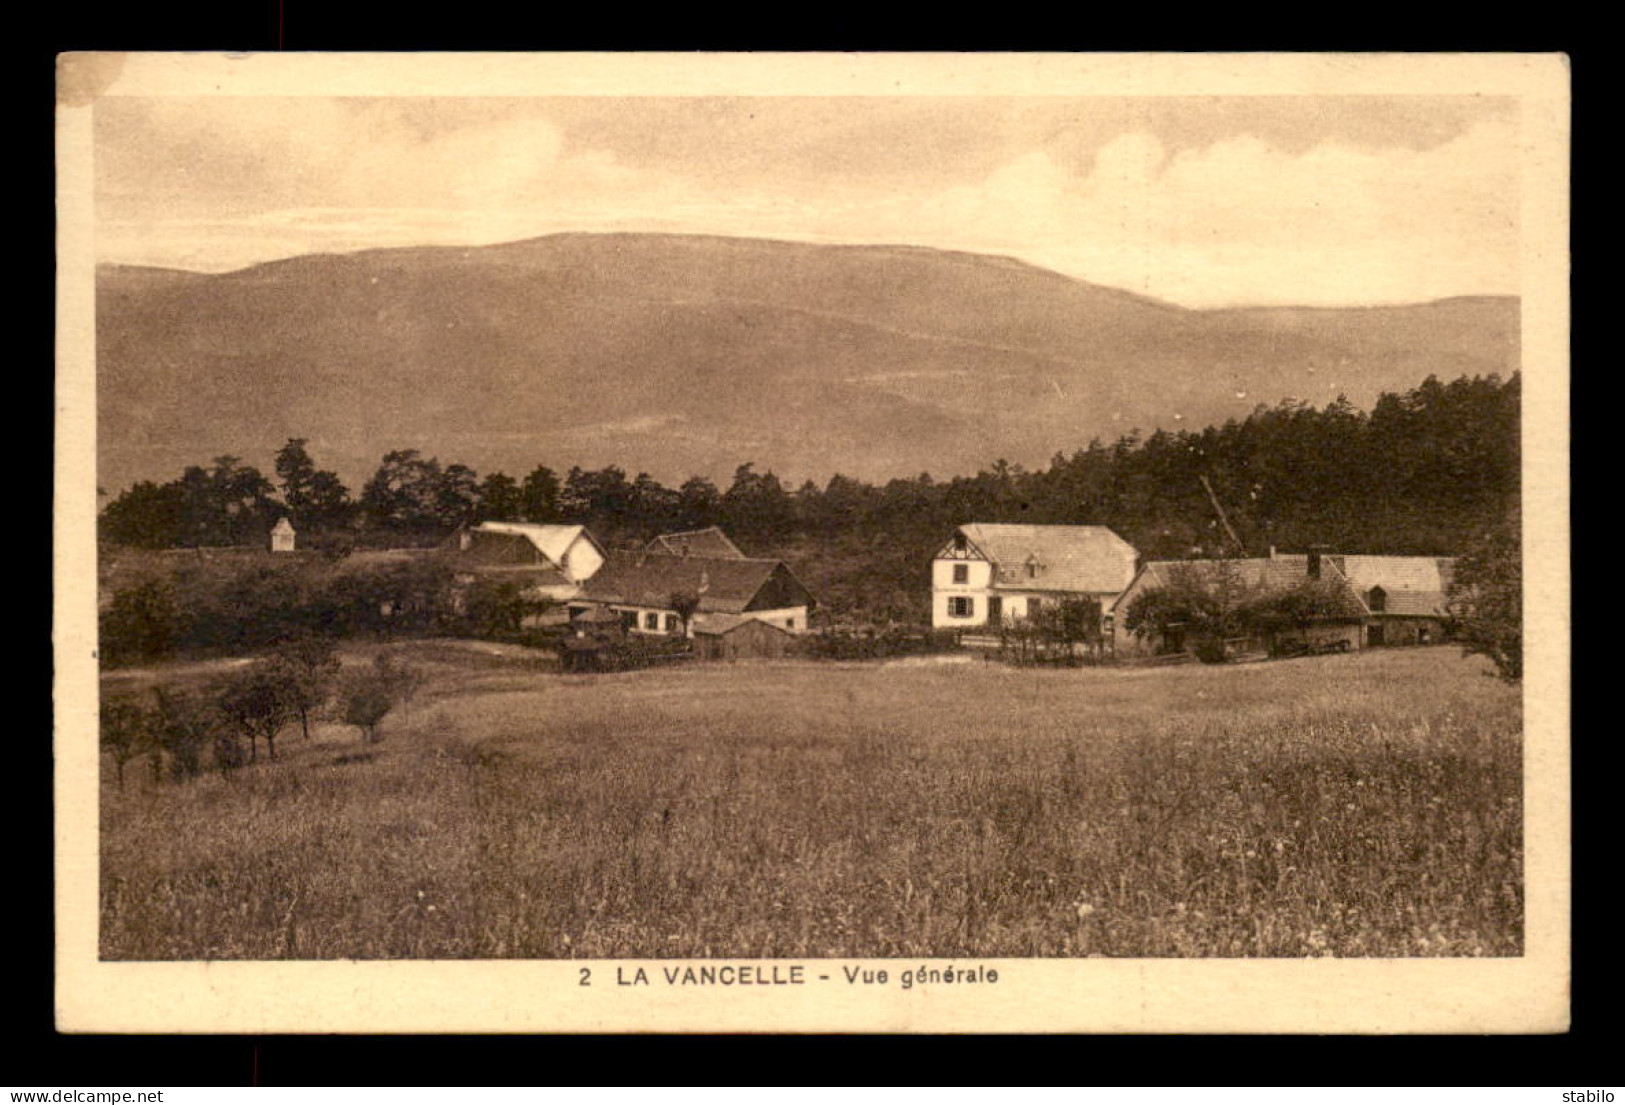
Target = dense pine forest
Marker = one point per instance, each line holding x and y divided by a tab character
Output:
1423	472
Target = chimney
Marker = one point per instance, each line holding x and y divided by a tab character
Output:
1314	561
1272	552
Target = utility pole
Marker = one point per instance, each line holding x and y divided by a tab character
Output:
1214	499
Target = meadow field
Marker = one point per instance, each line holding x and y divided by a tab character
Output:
1357	805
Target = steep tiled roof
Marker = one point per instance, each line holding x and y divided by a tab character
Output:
1088	559
710	542
724	584
1414	585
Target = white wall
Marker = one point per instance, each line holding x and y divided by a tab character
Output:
581	560
980	574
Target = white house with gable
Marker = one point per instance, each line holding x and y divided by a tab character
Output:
989	575
549	561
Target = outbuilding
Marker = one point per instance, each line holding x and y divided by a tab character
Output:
733	637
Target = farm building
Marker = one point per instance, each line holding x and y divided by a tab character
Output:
1405	596
1376	600
988	575
736	637
710	542
643	590
548	561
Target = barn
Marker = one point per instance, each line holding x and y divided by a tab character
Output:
642	589
734	637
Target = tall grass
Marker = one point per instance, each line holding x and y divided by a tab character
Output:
1362	805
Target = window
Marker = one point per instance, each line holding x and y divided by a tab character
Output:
789	623
651	620
960	606
1378	600
961	573
671	623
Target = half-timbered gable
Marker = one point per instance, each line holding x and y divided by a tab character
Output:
987	575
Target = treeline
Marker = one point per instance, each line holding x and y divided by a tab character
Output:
1414	475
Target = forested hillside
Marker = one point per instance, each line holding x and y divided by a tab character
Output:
1423	472
683	354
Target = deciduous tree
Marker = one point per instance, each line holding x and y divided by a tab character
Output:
1486	599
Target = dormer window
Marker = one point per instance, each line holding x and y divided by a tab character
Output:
1032	567
1377	600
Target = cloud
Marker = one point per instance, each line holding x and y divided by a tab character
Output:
221	183
1241	221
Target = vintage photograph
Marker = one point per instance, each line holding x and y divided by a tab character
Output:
735	527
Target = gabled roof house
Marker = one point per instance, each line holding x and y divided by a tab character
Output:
548	560
990	574
641	587
1380	599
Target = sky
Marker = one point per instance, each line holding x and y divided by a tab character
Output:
1202	201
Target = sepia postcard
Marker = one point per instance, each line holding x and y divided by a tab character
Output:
812	543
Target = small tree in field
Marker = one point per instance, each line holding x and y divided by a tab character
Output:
1207	604
306	666
184	724
1075	621
1486	601
126	731
367	695
257	704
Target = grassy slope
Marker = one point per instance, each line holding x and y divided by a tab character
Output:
1360	805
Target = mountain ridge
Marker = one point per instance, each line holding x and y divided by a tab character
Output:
678	354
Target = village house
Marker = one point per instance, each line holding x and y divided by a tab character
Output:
643	590
990	575
1379	600
548	563
1405	596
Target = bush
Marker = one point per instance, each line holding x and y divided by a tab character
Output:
1209	650
854	643
141	624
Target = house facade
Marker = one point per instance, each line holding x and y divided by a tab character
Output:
1405	596
547	561
989	575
